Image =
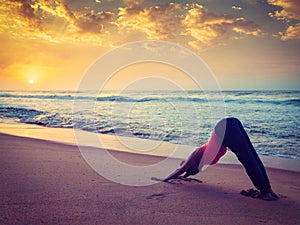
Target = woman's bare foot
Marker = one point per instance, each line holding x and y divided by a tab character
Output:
269	196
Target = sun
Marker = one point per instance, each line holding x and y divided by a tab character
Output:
32	75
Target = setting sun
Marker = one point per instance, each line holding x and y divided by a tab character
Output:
33	74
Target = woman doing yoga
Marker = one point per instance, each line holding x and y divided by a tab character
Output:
229	133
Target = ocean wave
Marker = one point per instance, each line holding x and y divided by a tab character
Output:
32	116
294	102
242	98
109	98
117	98
51	96
12	112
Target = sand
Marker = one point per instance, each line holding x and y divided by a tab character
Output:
44	182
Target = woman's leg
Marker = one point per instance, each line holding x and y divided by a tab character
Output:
236	138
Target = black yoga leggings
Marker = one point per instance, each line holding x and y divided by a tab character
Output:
234	136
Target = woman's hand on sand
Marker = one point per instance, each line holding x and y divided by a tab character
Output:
178	178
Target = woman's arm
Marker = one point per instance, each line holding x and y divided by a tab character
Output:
186	165
176	174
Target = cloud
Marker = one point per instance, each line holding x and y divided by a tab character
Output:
290	13
290	9
236	8
292	32
133	3
86	20
209	29
60	21
156	22
91	21
53	21
191	22
19	10
25	9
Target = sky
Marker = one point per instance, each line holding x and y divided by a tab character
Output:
247	44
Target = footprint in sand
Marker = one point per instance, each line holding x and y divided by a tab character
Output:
159	196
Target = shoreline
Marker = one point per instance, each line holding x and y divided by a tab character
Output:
127	144
44	182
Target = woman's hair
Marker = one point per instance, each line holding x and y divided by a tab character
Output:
192	170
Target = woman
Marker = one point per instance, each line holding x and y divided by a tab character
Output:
229	133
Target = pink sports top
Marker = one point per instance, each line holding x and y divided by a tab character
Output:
212	150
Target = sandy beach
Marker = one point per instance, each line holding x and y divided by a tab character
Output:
44	182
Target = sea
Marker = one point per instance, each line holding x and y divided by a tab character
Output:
271	118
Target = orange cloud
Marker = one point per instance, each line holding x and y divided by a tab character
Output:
86	20
173	21
290	9
91	21
289	12
292	32
209	29
156	22
17	14
55	21
52	21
